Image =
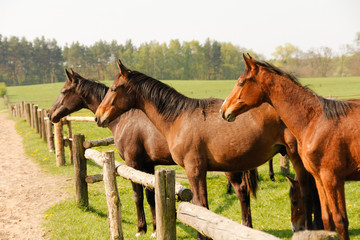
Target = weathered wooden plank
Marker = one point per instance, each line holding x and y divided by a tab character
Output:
80	119
112	197
136	176
80	170
49	134
215	226
98	142
165	204
316	235
59	144
94	178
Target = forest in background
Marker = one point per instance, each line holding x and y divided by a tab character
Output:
23	62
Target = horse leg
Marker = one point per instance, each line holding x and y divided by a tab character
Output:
318	223
335	193
271	170
139	202
325	211
196	174
150	196
228	187
243	193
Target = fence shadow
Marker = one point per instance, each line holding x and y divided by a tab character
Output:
286	233
96	211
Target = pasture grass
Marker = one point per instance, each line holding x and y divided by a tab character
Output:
270	212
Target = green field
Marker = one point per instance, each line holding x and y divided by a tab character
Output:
270	212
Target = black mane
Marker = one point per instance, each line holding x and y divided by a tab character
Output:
87	87
332	108
167	100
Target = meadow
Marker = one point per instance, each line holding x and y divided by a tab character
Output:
270	211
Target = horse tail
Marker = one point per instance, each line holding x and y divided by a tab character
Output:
251	179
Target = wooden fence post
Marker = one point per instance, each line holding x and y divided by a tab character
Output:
59	144
71	158
43	123
40	122
18	112
31	115
80	170
27	113
284	165
49	135
165	204
36	119
22	107
112	197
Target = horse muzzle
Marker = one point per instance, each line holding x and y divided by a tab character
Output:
227	117
102	123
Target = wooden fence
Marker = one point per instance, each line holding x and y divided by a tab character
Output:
203	220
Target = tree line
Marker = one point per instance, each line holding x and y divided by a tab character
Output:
319	62
43	60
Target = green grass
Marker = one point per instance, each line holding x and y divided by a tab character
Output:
270	212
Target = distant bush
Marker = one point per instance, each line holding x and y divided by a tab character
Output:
2	89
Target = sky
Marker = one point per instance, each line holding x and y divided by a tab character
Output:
260	25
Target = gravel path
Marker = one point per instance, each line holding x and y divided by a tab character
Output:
25	191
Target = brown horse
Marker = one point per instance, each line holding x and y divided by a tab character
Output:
138	142
192	130
297	206
327	131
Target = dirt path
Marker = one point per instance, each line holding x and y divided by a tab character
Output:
25	191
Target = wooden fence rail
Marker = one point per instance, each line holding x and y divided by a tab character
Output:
216	226
136	176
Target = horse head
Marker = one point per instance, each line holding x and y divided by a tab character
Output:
246	93
68	101
118	99
297	206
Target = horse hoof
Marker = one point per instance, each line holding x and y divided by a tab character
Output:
153	235
138	234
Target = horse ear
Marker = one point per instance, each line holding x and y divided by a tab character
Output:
74	77
292	181
68	75
75	74
122	69
249	62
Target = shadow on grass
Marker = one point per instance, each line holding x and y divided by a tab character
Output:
103	214
188	230
226	203
354	232
286	233
96	211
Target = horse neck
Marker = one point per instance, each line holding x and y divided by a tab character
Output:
150	110
91	98
297	106
91	103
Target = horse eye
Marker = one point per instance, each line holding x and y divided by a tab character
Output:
113	89
242	83
295	203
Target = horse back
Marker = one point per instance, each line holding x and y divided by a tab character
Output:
252	139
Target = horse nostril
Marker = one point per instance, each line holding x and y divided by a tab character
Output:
96	119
